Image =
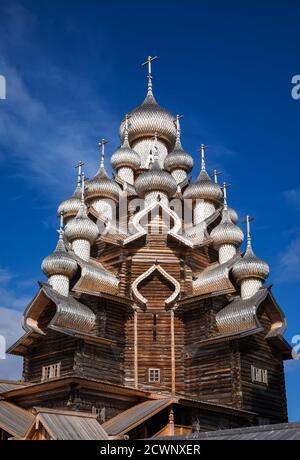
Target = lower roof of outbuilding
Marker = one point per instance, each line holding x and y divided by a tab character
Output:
281	431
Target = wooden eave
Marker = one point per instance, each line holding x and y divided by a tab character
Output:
181	400
282	345
192	299
115	298
80	383
224	337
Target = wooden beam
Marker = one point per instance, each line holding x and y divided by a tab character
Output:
136	383
173	363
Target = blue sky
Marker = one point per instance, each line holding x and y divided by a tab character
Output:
73	71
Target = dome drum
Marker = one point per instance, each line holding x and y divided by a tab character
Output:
203	210
60	283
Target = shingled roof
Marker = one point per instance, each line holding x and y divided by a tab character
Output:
281	431
15	420
67	425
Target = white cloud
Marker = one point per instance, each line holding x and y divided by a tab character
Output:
11	368
292	196
10	325
289	262
11	330
45	132
11	307
47	142
5	276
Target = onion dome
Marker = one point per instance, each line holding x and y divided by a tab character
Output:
81	227
101	186
226	232
233	215
59	262
250	266
70	206
178	158
203	188
149	118
125	156
155	180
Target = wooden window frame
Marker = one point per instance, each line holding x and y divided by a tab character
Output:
52	371
259	375
154	375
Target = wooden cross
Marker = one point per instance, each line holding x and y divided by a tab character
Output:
79	167
177	123
148	62
247	221
202	150
216	174
82	187
61	224
225	187
101	145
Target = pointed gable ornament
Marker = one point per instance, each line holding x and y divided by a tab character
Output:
155	267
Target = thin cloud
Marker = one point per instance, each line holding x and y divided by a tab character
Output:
5	276
11	330
11	307
47	143
44	136
289	262
292	196
10	298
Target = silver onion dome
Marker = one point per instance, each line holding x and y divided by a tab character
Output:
149	118
233	215
203	188
101	186
250	266
70	206
178	158
155	180
59	262
125	156
81	227
226	232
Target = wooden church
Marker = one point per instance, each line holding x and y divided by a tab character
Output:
154	321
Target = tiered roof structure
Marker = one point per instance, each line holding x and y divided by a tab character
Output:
153	317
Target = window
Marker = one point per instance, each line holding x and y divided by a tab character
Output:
153	375
259	375
51	372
